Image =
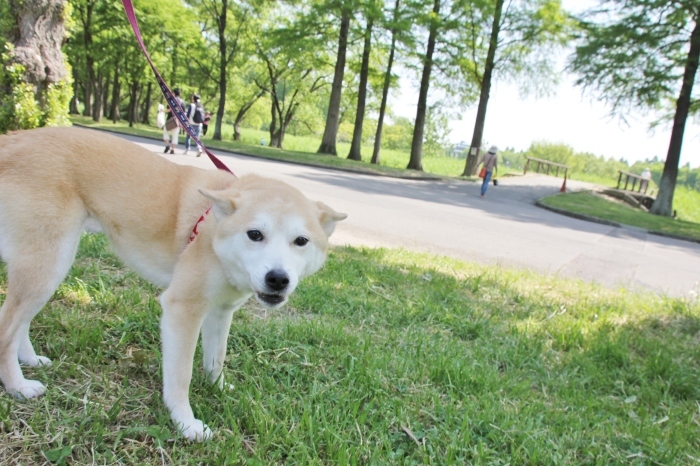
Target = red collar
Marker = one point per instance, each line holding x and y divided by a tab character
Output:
195	230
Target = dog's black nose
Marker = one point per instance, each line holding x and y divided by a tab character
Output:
276	280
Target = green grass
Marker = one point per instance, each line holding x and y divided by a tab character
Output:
686	201
383	357
598	207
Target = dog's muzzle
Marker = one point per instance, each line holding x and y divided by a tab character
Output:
276	282
271	299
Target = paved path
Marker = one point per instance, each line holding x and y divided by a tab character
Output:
449	218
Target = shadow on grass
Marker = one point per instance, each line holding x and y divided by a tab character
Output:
399	358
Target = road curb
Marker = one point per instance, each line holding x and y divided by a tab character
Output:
358	170
601	221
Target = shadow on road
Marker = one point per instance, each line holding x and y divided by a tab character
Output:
511	200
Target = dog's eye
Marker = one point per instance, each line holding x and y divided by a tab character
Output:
301	241
255	235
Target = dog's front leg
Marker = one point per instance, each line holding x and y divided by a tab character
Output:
180	324
214	336
215	332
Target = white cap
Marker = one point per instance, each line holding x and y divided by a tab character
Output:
493	149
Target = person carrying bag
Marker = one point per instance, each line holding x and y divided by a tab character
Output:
490	161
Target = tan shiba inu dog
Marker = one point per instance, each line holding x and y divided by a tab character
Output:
261	238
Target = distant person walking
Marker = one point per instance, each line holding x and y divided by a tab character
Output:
171	130
490	161
195	115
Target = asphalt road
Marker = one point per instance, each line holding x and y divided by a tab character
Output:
505	228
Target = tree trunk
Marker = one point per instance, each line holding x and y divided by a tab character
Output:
74	101
105	96
473	156
385	91
241	114
663	205
133	102
116	92
145	113
97	99
285	123
273	121
222	71
86	19
415	162
356	145
330	134
37	41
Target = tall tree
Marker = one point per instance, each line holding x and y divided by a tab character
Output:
472	157
330	133
230	25
440	25
84	10
356	144
643	54
38	35
292	63
415	162
393	30
523	36
36	32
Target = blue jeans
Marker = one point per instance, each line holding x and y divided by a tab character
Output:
197	129
485	184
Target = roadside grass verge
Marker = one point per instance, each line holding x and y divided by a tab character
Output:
686	201
595	206
302	150
383	357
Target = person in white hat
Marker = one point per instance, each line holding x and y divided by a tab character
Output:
490	161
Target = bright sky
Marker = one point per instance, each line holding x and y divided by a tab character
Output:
568	117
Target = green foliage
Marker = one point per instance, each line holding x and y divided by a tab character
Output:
686	204
436	132
57	98
5	20
19	106
690	178
632	53
398	136
584	166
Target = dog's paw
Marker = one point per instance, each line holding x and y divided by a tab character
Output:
224	386
28	389
195	430
37	361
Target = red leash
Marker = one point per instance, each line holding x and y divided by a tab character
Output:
177	110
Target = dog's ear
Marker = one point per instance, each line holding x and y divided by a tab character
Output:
328	217
224	202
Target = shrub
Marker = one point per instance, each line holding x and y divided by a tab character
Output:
19	105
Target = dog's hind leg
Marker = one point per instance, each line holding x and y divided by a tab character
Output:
34	271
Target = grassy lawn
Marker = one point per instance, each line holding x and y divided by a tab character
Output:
383	357
686	201
595	206
302	150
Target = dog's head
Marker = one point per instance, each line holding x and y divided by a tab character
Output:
161	107
269	236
